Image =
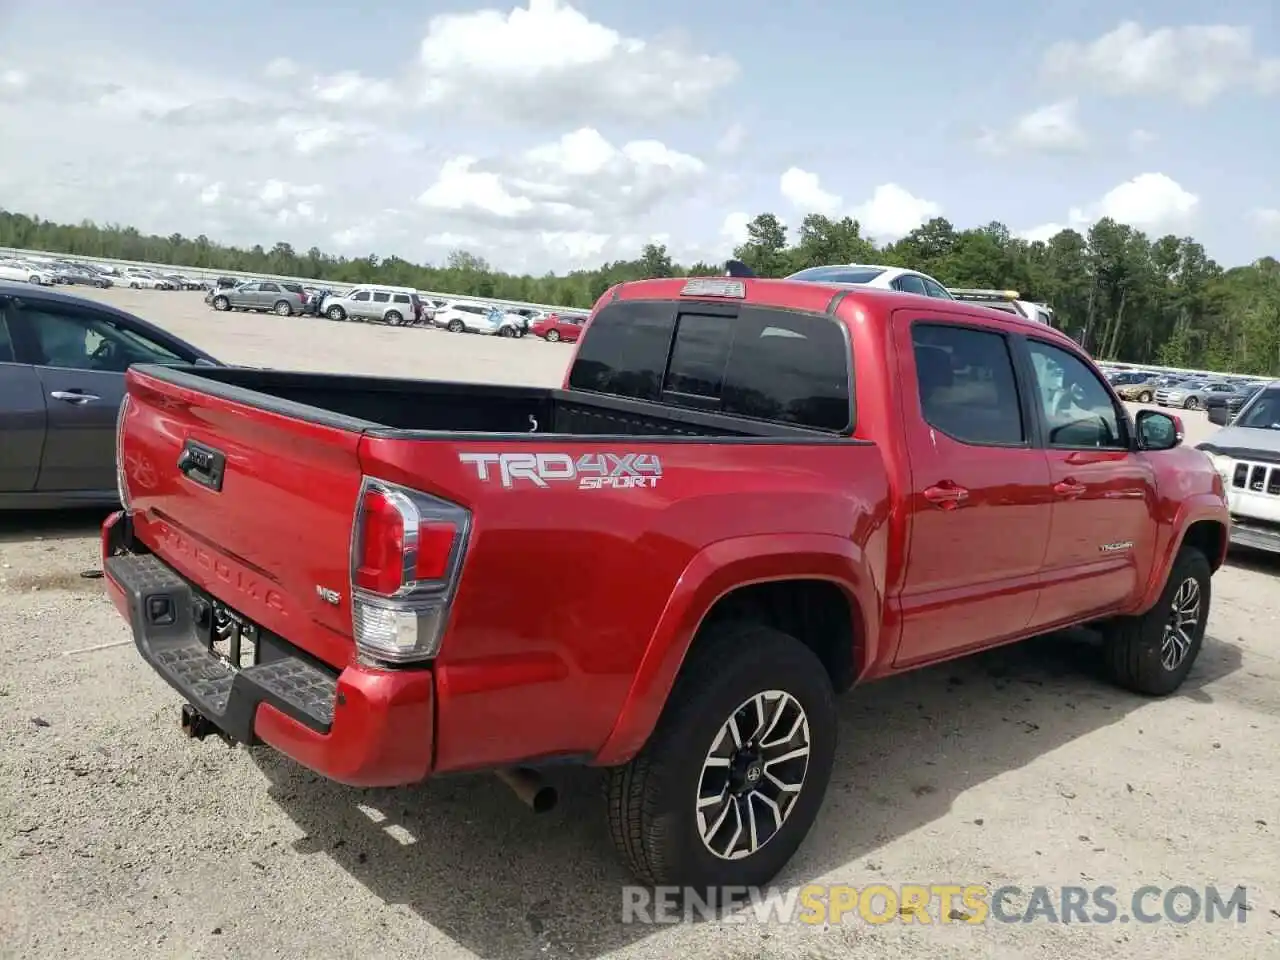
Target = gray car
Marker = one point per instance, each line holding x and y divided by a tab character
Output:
62	365
280	297
1191	394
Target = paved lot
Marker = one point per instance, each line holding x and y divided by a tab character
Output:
119	838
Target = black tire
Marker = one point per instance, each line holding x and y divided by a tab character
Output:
336	313
1193	403
282	309
651	800
1144	397
221	303
133	286
553	336
506	332
456	326
394	317
1134	647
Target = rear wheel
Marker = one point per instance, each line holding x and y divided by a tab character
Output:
394	317
283	309
1153	652
1144	396
734	773
455	326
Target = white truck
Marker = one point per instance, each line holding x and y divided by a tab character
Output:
1247	455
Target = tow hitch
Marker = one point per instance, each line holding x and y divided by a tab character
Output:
197	726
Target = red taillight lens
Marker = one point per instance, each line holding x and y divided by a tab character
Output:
435	546
381	551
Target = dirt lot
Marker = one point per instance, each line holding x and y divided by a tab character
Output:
120	838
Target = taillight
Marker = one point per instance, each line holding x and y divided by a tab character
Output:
122	480
406	557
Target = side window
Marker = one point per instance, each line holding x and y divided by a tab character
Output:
360	295
910	283
625	351
699	356
966	384
935	290
250	288
1078	409
6	342
382	298
83	341
269	287
401	298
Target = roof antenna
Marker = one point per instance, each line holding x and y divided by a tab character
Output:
736	268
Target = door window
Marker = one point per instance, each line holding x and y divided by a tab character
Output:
6	342
361	295
250	288
966	384
935	290
269	287
85	341
381	297
910	283
1078	409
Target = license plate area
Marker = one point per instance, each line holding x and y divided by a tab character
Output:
228	634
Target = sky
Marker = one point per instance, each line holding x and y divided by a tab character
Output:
563	133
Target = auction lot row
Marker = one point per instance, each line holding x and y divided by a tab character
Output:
1016	768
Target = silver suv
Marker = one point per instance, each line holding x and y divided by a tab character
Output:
398	306
285	299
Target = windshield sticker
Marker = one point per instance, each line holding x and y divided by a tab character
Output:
591	471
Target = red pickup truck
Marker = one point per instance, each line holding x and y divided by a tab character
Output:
769	491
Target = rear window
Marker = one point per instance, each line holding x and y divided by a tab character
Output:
763	364
838	274
292	287
381	297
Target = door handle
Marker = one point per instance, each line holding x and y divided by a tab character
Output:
1069	489
73	396
948	496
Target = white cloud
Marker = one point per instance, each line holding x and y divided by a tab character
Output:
577	183
734	229
1266	219
890	213
1152	202
1053	128
281	68
732	140
1196	64
803	191
350	88
549	63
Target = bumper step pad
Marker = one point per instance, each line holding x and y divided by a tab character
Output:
162	615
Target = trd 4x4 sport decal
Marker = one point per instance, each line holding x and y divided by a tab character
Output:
591	471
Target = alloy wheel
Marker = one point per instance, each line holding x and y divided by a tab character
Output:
1183	622
753	774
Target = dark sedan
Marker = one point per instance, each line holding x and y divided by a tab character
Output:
1222	408
62	364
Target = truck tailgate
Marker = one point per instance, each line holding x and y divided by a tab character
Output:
253	506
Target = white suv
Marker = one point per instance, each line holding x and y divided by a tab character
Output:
397	306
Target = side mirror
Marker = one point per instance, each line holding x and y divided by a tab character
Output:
1219	415
1158	431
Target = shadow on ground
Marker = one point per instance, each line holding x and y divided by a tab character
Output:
25	525
504	883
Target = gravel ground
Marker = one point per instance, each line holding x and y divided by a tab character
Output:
120	838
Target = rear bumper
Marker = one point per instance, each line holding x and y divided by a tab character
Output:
360	726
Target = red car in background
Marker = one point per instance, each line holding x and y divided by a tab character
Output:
559	326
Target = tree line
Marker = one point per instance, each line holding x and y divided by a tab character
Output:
1120	293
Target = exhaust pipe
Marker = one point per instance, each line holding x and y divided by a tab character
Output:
530	788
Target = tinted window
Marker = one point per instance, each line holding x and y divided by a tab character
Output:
361	295
1078	409
292	287
401	298
85	341
966	384
936	290
6	343
699	356
1263	412
270	288
381	297
249	288
625	352
839	274
910	283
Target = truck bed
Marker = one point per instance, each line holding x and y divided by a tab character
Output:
385	406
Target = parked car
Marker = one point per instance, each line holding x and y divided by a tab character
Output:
62	363
458	317
397	306
1191	394
877	277
1222	408
262	296
1136	386
1247	455
143	280
506	323
397	637
21	271
1009	301
559	326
